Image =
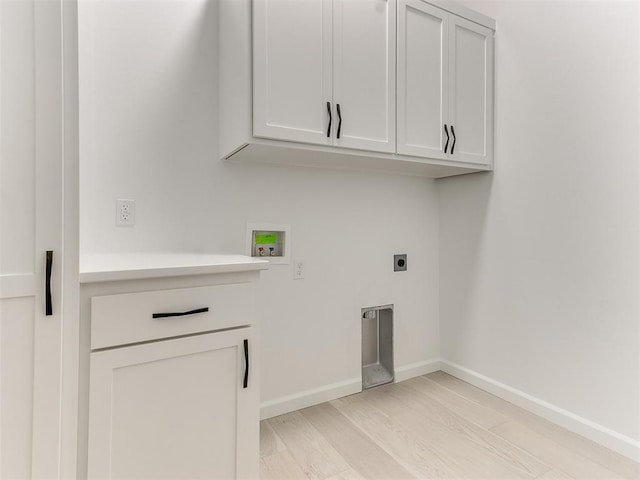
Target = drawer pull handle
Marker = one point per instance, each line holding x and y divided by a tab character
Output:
246	364
180	314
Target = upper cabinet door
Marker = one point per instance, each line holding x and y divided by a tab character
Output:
471	98
423	77
292	48
364	74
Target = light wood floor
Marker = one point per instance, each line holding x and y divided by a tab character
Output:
434	426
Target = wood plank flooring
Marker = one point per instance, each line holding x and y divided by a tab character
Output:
429	427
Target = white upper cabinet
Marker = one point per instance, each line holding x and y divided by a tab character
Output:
364	54
395	86
423	79
471	94
292	47
324	72
445	85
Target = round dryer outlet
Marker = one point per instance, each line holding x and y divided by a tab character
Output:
400	262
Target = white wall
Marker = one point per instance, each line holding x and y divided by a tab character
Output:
539	261
148	119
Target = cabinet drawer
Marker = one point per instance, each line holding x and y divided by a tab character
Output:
128	318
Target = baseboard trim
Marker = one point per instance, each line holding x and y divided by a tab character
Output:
611	439
417	369
308	398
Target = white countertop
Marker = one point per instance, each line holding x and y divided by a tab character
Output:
133	266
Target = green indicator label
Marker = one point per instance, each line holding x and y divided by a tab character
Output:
265	238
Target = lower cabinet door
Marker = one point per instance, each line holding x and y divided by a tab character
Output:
175	409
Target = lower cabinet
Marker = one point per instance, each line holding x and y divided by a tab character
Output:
169	378
177	408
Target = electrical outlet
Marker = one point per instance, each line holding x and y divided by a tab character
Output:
125	213
298	269
400	262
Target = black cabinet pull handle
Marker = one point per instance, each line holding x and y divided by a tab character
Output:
47	285
454	139
246	364
339	119
180	314
329	127
447	142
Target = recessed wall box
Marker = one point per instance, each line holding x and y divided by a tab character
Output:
269	241
400	262
377	346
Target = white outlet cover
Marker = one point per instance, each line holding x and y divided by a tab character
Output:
125	213
298	269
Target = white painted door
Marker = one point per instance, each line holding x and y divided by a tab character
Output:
364	59
471	97
423	80
292	54
31	159
175	409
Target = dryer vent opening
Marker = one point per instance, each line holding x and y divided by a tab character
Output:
377	346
